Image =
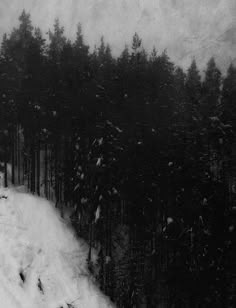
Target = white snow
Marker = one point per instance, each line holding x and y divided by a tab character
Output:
118	129
77	186
100	141
169	220
114	190
84	200
99	161
107	259
97	213
42	263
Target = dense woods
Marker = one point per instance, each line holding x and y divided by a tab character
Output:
138	153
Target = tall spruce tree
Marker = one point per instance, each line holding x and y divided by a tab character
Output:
193	90
211	90
229	96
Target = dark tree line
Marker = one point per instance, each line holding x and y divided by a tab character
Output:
140	153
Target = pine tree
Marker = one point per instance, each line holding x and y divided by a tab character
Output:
211	90
193	89
136	43
4	47
179	81
81	50
20	39
101	51
229	96
57	42
25	28
122	78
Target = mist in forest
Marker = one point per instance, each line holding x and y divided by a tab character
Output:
186	28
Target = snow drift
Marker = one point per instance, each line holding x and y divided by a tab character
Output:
42	264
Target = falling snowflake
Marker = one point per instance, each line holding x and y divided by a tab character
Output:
97	214
99	161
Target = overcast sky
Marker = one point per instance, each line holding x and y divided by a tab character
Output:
186	28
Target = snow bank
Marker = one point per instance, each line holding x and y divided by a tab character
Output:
42	264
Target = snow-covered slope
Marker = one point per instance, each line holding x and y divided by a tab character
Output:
42	264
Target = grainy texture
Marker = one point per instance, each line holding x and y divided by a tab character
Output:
137	152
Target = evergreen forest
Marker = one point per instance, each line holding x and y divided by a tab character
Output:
139	155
